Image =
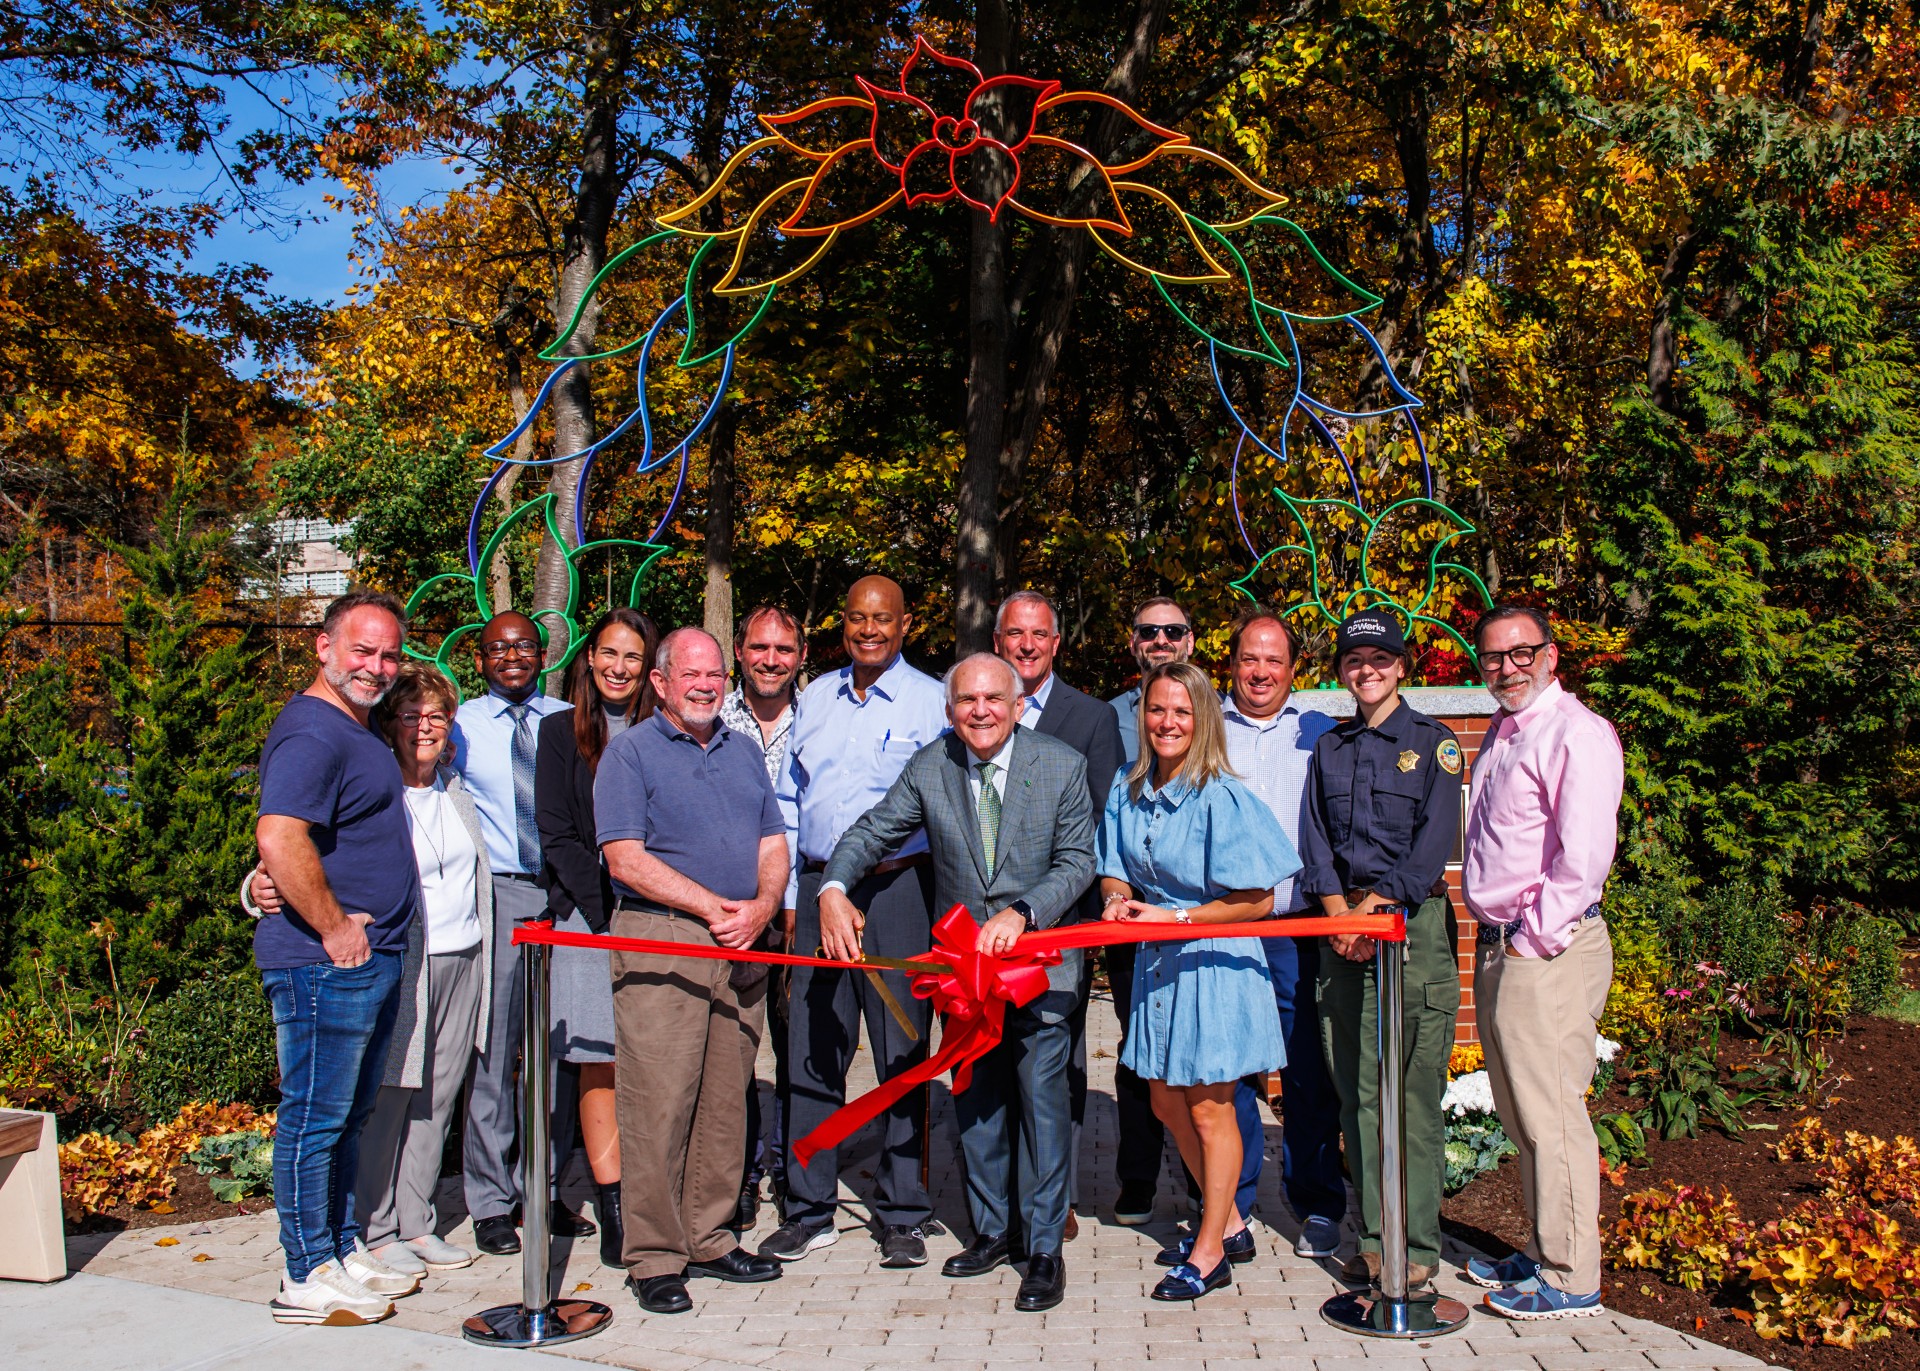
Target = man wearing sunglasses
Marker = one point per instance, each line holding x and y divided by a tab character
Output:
1541	827
494	737
1161	633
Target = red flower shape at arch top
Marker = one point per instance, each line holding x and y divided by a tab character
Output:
931	171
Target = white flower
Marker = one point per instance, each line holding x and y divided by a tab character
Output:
1469	1094
1605	1049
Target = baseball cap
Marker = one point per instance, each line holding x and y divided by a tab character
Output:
1369	628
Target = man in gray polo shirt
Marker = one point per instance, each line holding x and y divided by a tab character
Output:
697	849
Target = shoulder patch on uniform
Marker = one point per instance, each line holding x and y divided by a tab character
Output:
1448	755
1408	760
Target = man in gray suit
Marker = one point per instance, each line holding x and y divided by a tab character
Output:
1010	825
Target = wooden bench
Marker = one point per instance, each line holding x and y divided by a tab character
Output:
33	1244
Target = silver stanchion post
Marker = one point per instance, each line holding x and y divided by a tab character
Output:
1390	1313
539	1320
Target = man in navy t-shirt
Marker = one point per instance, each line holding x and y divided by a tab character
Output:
333	837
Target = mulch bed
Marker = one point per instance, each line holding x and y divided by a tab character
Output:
1880	1062
192	1202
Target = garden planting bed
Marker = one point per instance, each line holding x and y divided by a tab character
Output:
192	1201
1874	1091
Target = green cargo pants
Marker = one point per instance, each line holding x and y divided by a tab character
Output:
1349	1014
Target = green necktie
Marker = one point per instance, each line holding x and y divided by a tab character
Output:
989	814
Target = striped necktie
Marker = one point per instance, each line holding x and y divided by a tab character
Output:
526	831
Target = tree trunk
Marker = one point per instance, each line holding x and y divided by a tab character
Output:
499	575
1662	348
720	498
1014	351
584	249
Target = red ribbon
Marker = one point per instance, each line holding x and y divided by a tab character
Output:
971	989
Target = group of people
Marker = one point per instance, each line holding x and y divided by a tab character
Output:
402	838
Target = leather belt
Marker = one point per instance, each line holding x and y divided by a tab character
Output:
627	904
523	877
1491	935
886	868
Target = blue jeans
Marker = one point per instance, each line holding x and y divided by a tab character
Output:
332	1028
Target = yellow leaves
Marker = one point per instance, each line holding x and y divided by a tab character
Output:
98	1174
166	1242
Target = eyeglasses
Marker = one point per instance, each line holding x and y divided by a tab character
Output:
1521	657
414	719
1173	633
519	647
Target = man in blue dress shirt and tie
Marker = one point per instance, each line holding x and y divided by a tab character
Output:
853	731
493	739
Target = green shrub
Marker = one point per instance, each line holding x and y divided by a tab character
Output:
210	1040
1867	945
1475	1145
71	1053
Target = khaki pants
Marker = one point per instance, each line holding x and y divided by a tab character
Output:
1538	1016
684	1040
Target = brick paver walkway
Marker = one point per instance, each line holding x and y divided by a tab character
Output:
838	1311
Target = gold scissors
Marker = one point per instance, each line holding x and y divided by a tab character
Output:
872	967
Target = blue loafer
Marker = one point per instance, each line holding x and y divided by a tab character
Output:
1318	1238
1535	1299
1185	1282
1499	1275
1238	1248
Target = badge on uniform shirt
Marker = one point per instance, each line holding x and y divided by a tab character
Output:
1448	755
1409	760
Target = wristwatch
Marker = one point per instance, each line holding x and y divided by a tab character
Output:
1025	911
1182	916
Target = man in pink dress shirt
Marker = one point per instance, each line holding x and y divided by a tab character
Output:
1541	828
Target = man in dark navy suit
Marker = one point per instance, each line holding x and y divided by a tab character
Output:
1026	633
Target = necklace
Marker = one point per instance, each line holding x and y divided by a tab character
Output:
438	845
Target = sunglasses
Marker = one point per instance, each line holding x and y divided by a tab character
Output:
1174	633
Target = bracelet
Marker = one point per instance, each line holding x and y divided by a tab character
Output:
1115	899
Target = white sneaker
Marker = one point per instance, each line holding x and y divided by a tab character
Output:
398	1256
376	1275
437	1254
328	1296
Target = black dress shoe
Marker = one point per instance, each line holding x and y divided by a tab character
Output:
661	1294
1045	1284
567	1224
978	1257
739	1266
747	1212
495	1236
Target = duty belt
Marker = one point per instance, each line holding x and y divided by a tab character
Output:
1491	934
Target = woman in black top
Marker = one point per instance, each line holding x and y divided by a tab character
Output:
609	687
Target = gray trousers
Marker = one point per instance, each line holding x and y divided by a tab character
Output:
823	1028
401	1147
489	1148
1021	1093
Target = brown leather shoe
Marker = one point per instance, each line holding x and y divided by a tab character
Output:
1362	1268
1072	1230
1419	1275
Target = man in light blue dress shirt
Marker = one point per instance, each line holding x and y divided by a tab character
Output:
853	732
493	738
1270	744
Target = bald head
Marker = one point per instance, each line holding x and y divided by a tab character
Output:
509	655
875	627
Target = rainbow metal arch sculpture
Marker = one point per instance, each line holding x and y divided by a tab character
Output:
919	153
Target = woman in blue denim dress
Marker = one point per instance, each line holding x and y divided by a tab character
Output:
1182	841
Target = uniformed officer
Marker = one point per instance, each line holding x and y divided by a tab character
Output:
1383	806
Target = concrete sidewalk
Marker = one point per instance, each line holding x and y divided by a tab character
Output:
835	1311
98	1323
